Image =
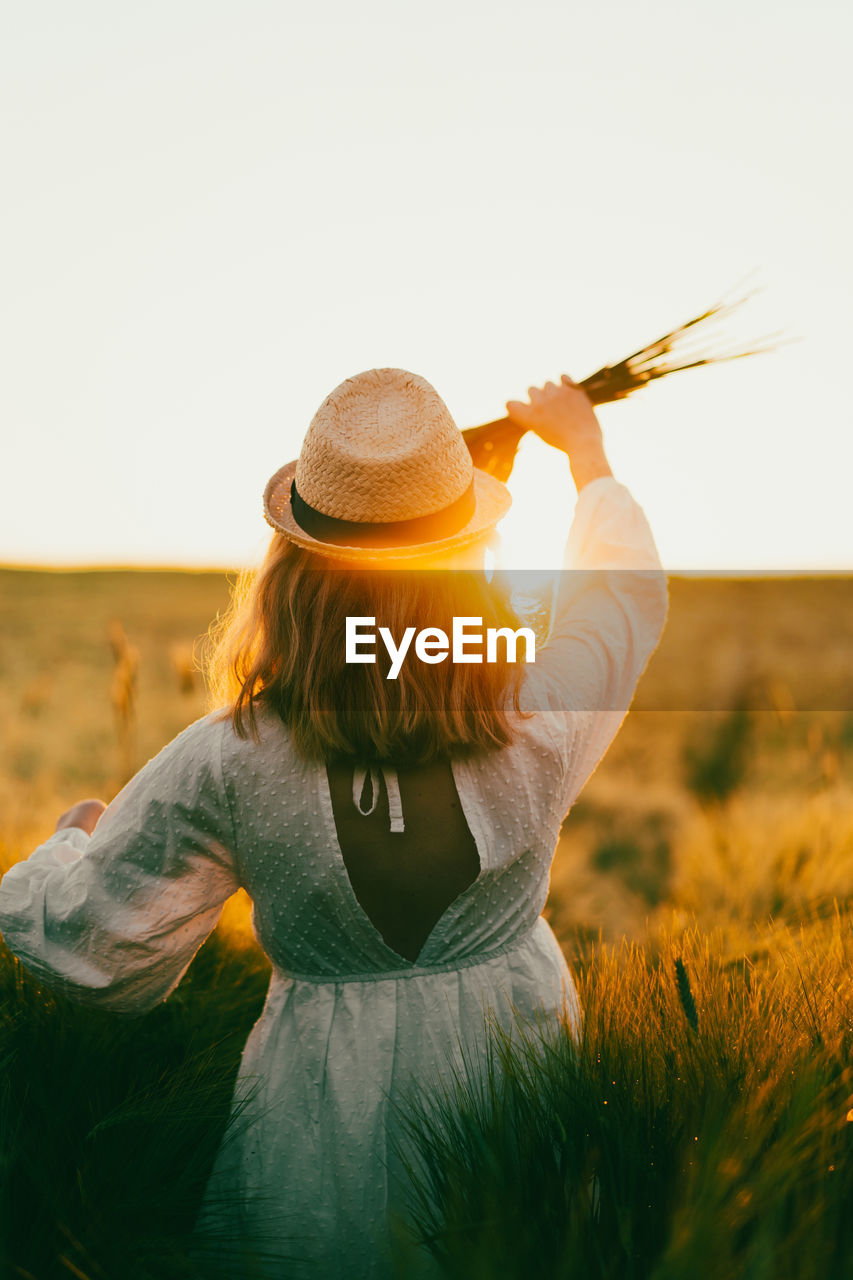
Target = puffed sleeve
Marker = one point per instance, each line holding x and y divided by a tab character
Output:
114	919
608	615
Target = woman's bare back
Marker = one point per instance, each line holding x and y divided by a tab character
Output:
405	880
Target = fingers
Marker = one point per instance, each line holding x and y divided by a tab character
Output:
85	815
550	387
537	396
541	393
519	410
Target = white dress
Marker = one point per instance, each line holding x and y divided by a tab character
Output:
348	1024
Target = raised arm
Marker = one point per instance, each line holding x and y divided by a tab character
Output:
115	917
611	599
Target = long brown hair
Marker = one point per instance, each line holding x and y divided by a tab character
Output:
282	644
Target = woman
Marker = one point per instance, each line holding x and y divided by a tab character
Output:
395	836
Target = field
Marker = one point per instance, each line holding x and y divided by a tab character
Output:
701	891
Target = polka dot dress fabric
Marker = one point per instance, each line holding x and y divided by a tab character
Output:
310	1173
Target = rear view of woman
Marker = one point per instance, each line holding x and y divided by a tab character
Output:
395	835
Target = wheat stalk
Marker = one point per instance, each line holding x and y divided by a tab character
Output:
493	445
685	994
123	696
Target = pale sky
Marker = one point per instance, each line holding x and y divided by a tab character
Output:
214	212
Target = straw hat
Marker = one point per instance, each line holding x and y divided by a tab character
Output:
384	473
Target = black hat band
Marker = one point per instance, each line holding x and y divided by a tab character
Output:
397	533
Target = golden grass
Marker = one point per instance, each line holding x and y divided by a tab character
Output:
705	911
80	649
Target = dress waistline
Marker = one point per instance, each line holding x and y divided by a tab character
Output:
413	971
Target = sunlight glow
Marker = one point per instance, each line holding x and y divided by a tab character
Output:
534	531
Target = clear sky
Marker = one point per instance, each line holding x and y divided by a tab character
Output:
214	212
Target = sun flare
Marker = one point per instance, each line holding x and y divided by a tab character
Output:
534	532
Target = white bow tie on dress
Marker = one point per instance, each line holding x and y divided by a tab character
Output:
392	786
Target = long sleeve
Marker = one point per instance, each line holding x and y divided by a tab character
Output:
608	615
115	919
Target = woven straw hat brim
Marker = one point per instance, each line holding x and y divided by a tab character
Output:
492	502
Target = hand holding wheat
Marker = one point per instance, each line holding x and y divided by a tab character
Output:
563	417
493	445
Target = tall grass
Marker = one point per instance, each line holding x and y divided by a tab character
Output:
698	1130
109	1122
702	1126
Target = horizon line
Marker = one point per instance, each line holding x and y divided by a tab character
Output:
225	571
